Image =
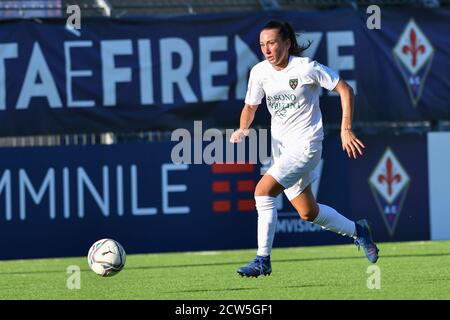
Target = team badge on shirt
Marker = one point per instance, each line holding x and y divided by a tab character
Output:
389	183
293	83
414	54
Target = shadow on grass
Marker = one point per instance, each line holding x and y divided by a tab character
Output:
241	289
239	263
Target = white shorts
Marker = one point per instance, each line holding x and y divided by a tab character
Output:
295	167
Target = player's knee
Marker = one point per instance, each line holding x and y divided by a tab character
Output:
309	214
261	191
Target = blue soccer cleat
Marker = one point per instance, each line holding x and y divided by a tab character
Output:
364	239
258	267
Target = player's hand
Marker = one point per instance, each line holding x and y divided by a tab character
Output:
238	135
352	145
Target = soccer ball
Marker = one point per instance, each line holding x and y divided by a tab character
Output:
106	257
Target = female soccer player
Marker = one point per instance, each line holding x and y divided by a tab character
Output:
291	85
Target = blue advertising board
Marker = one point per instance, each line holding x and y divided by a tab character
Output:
391	186
65	198
149	73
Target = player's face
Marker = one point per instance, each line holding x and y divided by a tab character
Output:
274	48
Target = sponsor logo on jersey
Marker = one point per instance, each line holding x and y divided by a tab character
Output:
389	183
414	55
282	103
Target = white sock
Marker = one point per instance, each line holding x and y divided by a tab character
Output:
267	223
330	219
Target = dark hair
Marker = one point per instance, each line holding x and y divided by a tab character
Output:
286	31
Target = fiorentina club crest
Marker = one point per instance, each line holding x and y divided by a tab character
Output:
389	183
414	54
293	83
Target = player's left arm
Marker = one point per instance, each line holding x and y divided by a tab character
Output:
350	143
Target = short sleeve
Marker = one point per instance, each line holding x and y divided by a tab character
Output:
255	91
324	76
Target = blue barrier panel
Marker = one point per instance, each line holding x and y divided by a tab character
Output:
388	186
66	198
391	187
56	201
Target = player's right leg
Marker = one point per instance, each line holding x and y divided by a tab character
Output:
265	193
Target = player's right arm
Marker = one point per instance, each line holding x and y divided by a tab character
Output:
247	116
255	93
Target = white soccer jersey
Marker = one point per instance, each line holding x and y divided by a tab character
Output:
292	97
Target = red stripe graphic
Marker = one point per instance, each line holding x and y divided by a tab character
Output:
221	206
246	205
246	185
221	186
232	168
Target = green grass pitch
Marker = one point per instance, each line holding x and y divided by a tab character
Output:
408	270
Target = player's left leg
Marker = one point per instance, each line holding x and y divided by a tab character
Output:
325	216
329	219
